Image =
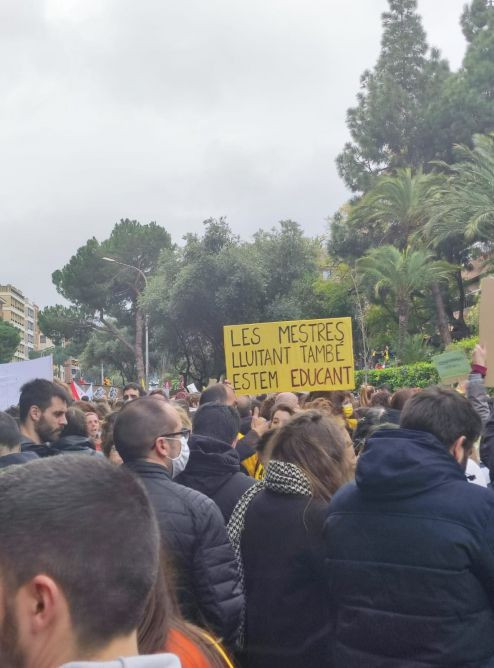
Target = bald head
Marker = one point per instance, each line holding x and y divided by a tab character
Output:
287	399
138	425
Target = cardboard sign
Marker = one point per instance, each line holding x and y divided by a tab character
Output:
452	367
290	356
486	325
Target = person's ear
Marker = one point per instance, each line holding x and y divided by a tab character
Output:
162	447
35	413
41	603
457	449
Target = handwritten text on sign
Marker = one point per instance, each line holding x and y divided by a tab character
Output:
291	356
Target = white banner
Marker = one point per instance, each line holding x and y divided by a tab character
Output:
14	375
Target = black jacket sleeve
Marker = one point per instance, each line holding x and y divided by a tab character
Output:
215	575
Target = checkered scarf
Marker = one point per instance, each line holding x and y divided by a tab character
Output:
282	478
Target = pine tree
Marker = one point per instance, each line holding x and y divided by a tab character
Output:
389	125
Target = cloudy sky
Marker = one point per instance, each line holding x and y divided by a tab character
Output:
176	111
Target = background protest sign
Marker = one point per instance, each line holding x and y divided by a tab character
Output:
15	374
452	367
486	325
290	356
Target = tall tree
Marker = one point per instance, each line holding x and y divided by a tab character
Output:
9	340
106	296
396	277
389	126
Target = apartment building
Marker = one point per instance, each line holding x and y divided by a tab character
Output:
22	313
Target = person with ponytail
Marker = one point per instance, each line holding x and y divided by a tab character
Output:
162	626
276	532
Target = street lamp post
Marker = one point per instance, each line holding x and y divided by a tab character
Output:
146	319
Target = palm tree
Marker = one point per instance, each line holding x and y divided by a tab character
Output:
463	204
395	277
394	209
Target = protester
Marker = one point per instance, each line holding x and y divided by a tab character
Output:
94	429
409	545
280	415
163	628
149	437
287	399
276	529
133	391
107	445
223	393
42	412
74	438
10	443
244	407
381	398
214	464
365	395
219	392
73	591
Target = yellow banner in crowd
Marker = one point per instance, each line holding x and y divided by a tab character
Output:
290	356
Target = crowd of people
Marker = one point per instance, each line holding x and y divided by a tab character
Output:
332	528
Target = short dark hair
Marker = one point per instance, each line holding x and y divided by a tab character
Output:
135	386
100	543
39	392
10	436
76	423
137	426
444	413
217	421
214	393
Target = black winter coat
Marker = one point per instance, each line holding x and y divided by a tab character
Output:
214	469
39	449
15	458
75	444
287	603
410	557
194	536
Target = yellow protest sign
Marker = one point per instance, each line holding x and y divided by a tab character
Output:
290	356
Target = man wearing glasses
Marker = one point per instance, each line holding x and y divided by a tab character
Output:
149	437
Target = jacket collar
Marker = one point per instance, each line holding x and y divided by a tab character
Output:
146	469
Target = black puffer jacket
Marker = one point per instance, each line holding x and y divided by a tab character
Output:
75	444
194	534
410	557
214	469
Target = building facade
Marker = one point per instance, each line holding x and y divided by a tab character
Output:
22	313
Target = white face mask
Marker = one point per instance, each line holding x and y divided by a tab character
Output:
180	461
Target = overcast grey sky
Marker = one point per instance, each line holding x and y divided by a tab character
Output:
176	111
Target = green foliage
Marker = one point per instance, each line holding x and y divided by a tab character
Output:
389	126
216	280
10	338
466	345
464	204
472	318
105	295
422	374
395	279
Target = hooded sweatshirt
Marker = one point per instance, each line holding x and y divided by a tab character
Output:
214	469
410	559
152	661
